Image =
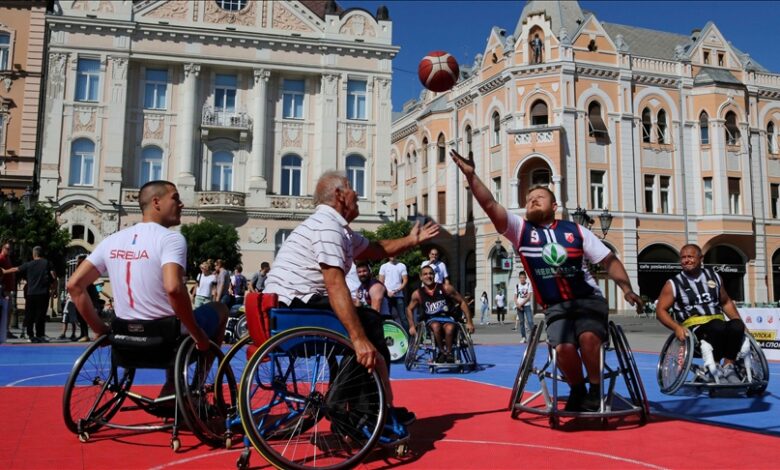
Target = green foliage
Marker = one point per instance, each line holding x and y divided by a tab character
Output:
391	230
36	227
210	239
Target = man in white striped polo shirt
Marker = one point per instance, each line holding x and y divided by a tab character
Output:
309	270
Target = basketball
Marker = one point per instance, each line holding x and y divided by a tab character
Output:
438	71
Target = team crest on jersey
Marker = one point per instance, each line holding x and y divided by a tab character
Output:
711	284
569	237
554	254
535	237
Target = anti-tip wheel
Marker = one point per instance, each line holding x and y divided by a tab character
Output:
175	444
228	442
83	436
401	450
243	461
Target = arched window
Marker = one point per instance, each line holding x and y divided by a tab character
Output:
425	152
647	125
469	138
732	131
495	136
291	175
704	128
408	158
539	116
82	163
222	171
541	177
661	126
441	149
151	165
356	174
770	138
596	126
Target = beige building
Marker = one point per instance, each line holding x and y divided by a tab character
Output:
22	46
241	103
676	136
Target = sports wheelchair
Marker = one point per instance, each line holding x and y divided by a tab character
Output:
423	351
304	401
677	368
101	379
612	404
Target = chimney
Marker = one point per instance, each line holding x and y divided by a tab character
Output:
695	34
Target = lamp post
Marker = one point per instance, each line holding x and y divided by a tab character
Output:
10	203
581	217
27	199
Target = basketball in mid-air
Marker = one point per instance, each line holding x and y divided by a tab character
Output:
438	71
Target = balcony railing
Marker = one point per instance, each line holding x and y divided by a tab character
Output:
221	199
292	202
541	135
224	119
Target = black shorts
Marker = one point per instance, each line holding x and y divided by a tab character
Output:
567	320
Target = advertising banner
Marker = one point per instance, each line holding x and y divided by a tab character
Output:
764	324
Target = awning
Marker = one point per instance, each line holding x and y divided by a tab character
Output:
597	125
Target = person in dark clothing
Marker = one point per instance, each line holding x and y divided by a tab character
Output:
40	277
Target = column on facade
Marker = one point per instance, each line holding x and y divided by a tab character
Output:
514	185
758	180
258	182
720	193
581	151
52	149
381	145
329	121
114	136
186	133
557	180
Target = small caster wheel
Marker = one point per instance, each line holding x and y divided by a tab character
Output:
228	442
430	369
401	450
554	422
83	436
175	444
243	461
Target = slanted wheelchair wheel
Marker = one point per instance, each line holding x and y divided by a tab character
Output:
760	369
95	389
241	327
636	388
413	354
298	377
195	373
526	366
466	349
234	363
674	362
397	340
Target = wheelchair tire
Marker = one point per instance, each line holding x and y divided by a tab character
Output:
468	357
235	360
413	354
760	369
525	368
195	373
95	389
674	363
288	379
397	340
636	388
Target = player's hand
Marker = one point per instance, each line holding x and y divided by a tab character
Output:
466	165
412	331
202	341
470	327
426	232
636	301
366	353
681	332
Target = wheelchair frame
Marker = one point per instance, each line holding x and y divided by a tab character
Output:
688	373
423	351
635	404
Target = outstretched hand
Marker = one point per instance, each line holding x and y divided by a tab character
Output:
424	233
466	165
635	301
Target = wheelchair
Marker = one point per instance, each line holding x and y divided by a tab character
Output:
303	400
99	384
613	404
236	324
677	368
396	338
423	351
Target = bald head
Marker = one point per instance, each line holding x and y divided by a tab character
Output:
329	182
151	190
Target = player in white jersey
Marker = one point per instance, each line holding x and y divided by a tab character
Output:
146	265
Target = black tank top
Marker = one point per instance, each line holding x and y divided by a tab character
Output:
436	304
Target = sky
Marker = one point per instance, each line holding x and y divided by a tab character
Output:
462	27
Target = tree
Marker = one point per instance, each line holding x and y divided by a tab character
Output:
35	227
412	258
210	239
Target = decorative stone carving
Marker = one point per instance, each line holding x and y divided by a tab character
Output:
190	69
329	83
564	37
247	16
79	5
384	88
287	20
292	135
7	82
105	7
357	26
258	235
84	120
114	169
119	68
356	136
261	74
173	10
522	139
57	63
153	127
285	202
50	166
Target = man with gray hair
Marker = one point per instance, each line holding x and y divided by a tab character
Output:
309	271
41	278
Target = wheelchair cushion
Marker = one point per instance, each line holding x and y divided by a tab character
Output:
146	344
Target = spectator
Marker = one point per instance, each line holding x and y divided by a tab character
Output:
206	290
41	279
439	268
238	285
484	305
7	289
257	284
371	293
525	315
223	283
500	306
394	276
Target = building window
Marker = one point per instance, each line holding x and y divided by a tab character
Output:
292	99
596	126
775	194
279	238
661	126
151	165
497	189
734	196
2	133
425	203
441	206
495	136
647	125
649	193
708	207
394	171
425	153
441	149
732	131
706	57
469	139
721	59
87	79
231	5
597	198
222	171
664	194
5	51
225	93
356	99
704	128
82	163
155	89
771	144
541	177
539	115
356	174
291	175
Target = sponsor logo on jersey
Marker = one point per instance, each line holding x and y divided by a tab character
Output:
128	255
554	254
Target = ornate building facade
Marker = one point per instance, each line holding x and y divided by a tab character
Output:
241	103
675	136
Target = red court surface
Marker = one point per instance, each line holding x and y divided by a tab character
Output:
461	424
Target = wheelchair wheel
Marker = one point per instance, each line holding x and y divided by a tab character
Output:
526	366
415	344
294	380
674	362
466	349
397	340
241	328
759	369
95	389
636	388
195	374
235	360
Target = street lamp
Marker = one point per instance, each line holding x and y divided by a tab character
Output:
2	199
605	218
27	199
581	217
10	203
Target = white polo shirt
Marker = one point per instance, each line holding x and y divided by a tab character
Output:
394	276
325	237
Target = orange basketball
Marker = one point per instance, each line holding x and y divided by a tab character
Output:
438	71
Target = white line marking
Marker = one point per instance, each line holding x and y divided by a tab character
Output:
26	364
194	458
12	384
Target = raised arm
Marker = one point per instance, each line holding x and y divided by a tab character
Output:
386	248
481	193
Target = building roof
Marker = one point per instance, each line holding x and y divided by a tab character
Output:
318	7
711	75
647	42
562	13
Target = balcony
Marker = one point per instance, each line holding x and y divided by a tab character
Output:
542	136
296	203
212	120
129	196
207	200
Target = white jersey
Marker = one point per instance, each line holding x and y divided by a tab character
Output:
133	259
